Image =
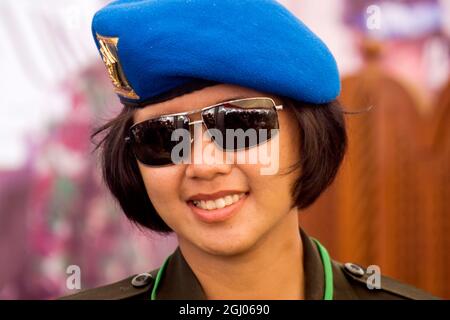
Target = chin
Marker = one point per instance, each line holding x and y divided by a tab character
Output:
227	246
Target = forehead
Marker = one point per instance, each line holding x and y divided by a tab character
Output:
197	100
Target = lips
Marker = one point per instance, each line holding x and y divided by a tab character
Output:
214	196
218	206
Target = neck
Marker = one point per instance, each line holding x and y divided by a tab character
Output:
271	269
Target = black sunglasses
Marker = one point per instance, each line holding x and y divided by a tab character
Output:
151	140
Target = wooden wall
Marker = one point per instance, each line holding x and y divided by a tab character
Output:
389	205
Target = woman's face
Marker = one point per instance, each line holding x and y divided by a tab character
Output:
263	201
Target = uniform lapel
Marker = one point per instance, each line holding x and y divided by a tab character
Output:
313	273
342	290
179	282
315	277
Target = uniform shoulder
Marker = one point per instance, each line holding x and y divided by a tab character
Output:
137	286
386	288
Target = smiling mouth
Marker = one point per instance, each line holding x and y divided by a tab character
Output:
218	203
217	207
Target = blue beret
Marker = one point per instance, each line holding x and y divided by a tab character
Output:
153	46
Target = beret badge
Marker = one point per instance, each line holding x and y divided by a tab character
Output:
108	51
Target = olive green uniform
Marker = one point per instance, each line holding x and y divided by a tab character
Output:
179	282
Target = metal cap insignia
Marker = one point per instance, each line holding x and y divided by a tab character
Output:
108	50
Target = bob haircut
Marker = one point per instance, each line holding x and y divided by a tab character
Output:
323	142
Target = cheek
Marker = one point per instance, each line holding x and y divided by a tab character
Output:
163	188
271	194
275	190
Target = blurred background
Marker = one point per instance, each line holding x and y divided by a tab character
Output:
389	205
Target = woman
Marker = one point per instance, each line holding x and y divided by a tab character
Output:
211	69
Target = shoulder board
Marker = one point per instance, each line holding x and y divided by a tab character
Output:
137	286
360	275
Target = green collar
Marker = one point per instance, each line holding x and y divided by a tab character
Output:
158	278
327	270
326	262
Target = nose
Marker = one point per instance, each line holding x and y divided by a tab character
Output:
207	160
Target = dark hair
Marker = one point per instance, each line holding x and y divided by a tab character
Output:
322	148
323	143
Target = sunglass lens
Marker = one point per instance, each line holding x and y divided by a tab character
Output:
242	125
152	140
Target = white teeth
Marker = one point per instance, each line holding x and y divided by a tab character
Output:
210	205
218	203
228	200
